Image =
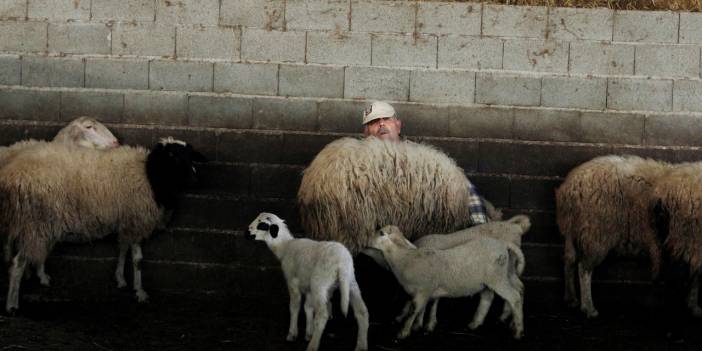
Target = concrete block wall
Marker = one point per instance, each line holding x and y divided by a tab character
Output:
517	95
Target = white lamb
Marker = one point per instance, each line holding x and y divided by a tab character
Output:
481	265
510	231
315	269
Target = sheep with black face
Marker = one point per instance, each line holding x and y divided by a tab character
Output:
313	269
53	193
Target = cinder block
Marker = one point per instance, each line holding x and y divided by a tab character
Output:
321	81
204	12
275	181
470	52
246	78
117	73
80	38
125	10
23	36
220	111
13	9
40	105
434	86
208	42
143	39
574	92
178	75
10	66
382	16
376	83
464	152
536	55
546	125
156	108
449	18
667	60
580	24
646	26
612	128
422	120
339	48
301	148
395	50
515	21
601	58
673	130
285	114
264	45
317	14
687	95
59	10
249	146
690	28
341	116
639	94
266	14
52	72
106	106
507	89
481	122
535	194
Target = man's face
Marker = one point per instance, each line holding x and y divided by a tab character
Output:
384	128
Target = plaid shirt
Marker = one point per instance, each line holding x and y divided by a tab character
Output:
478	213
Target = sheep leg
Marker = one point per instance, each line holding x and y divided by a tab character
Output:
693	295
586	304
294	310
515	300
309	314
419	321
19	263
486	297
119	273
44	279
319	300
141	295
569	270
360	311
506	311
405	312
418	303
432	316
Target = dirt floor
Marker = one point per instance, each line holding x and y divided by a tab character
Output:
180	322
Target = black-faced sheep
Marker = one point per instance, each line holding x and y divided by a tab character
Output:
481	265
57	193
678	195
315	269
352	186
81	132
604	205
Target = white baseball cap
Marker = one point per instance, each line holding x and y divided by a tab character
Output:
378	109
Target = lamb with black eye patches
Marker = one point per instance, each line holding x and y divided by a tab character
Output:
313	269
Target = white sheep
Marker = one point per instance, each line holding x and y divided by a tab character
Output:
510	231
315	269
481	265
81	132
57	193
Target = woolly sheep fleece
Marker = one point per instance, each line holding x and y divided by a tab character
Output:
604	204
354	186
680	193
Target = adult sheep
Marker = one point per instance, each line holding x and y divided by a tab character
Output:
604	205
81	132
678	196
354	186
55	193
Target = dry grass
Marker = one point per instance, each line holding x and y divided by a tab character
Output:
673	5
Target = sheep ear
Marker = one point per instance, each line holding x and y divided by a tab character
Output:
274	230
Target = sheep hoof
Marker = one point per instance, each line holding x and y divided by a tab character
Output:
473	325
121	284
590	313
308	336
518	334
45	280
291	337
12	311
402	335
696	312
142	296
571	302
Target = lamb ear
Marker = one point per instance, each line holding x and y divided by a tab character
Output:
274	230
262	226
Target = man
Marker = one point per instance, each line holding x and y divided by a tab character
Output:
380	121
